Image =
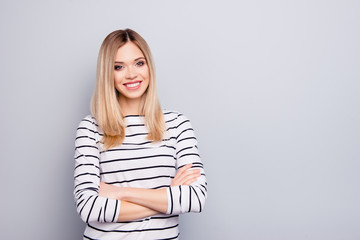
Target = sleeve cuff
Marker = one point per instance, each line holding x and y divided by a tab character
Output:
170	201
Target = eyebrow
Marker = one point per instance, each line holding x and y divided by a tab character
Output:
134	60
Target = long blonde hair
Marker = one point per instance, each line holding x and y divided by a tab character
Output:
105	105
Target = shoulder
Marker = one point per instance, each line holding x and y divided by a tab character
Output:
89	119
87	132
171	115
175	119
88	122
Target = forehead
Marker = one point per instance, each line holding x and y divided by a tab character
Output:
128	52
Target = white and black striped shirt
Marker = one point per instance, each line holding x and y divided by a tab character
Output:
141	163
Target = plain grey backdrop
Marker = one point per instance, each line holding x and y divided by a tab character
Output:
271	87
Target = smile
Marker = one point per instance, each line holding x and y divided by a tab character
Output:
132	85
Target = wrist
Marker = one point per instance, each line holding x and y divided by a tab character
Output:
124	193
132	194
121	193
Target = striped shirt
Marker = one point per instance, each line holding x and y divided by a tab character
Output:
141	163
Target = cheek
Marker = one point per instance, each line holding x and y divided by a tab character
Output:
117	78
117	82
145	72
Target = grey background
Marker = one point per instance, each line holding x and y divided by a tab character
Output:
271	88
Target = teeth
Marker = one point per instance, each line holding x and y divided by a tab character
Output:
133	84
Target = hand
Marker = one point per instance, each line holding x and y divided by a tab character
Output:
186	176
109	191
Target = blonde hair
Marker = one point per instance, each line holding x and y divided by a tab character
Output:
105	105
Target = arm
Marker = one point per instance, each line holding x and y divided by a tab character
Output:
187	198
131	211
90	206
151	200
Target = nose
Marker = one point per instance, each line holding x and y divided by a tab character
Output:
131	73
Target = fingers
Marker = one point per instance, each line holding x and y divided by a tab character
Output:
191	178
102	188
186	176
177	179
184	168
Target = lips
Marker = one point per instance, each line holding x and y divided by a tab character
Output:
132	85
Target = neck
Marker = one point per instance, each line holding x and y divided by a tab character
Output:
130	106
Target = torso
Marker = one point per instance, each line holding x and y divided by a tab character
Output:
138	162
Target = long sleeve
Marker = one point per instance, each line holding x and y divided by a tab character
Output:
182	199
90	206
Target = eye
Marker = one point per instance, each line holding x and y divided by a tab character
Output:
140	63
118	67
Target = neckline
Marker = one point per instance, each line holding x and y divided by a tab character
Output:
133	115
134	119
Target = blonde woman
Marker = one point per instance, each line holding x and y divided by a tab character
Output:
137	167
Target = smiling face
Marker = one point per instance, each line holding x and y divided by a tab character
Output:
131	74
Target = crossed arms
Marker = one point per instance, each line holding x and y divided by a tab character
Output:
101	202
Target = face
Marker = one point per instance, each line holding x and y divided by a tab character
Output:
131	73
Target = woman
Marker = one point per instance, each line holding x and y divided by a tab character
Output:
136	167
